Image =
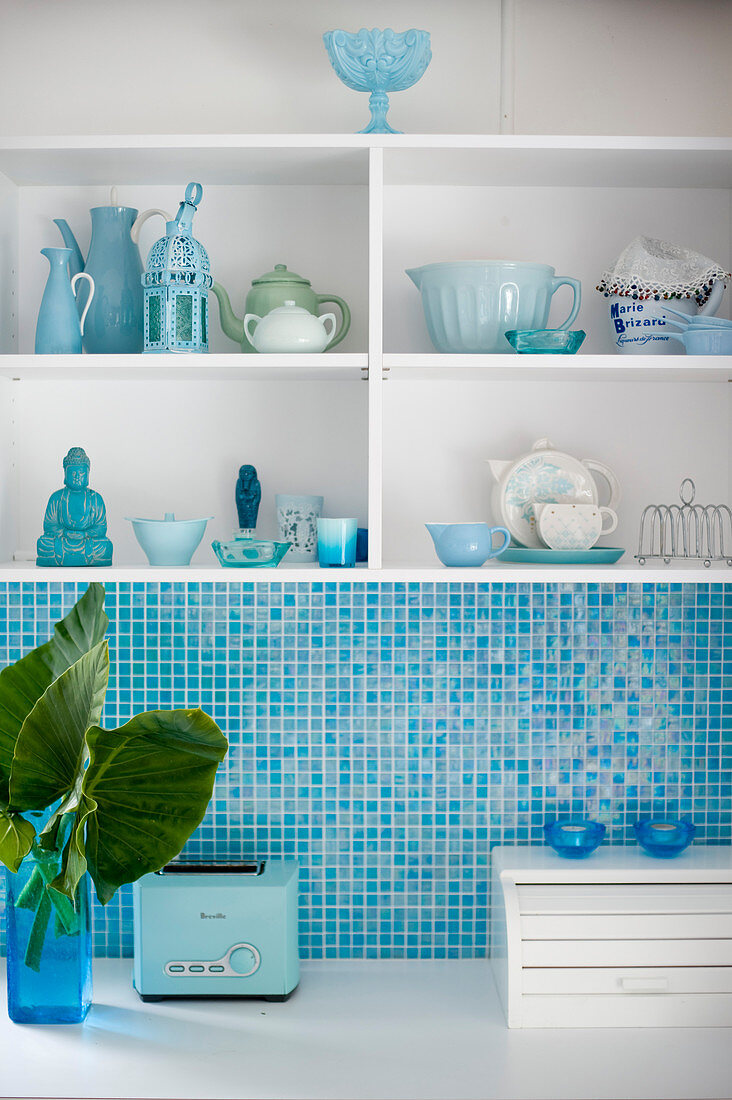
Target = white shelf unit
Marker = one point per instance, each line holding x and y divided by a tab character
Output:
384	427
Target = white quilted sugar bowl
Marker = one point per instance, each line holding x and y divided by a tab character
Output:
573	526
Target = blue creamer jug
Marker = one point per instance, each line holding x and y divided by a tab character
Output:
114	323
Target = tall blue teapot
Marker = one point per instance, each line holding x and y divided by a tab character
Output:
114	322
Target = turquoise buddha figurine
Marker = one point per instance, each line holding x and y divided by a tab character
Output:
75	523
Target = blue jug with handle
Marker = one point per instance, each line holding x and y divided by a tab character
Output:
466	545
58	329
114	324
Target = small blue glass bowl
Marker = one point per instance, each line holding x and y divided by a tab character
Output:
244	553
546	341
664	838
575	837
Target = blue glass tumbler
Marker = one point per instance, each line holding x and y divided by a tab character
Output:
337	542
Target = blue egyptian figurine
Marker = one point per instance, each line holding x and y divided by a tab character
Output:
248	495
75	523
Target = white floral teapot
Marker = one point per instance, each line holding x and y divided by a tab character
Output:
289	328
544	474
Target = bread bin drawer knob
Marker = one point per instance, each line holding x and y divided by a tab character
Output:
644	985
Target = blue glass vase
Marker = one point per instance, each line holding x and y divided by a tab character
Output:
49	945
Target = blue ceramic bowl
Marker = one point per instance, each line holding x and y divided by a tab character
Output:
574	837
664	839
169	541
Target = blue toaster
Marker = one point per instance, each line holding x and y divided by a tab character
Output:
216	929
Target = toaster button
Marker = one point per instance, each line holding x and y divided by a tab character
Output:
216	969
196	969
243	961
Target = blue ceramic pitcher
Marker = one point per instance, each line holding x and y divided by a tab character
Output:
114	324
58	329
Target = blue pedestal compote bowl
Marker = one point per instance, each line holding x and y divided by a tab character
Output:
379	62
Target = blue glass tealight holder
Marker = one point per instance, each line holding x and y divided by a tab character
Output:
664	838
337	542
574	837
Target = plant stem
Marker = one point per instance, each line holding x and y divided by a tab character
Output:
30	895
34	950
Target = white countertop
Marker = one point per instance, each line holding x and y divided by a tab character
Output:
423	1030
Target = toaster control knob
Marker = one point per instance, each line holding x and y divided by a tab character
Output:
244	960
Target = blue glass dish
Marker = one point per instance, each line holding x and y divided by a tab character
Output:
664	838
575	837
250	553
546	341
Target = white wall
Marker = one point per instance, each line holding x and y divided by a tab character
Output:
623	66
231	66
157	66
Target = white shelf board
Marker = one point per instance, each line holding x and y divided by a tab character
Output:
498	159
334	366
548	161
168	159
27	571
491	573
189	367
387	1029
558	368
626	571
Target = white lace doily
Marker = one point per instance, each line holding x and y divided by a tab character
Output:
649	268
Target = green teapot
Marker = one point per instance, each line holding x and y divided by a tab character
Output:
270	291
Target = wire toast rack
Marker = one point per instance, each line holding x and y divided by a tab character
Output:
686	530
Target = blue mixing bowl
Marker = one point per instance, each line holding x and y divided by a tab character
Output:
574	837
664	838
470	305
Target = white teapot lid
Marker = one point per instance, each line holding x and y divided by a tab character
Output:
289	307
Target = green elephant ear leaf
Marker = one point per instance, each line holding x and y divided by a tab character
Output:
145	790
50	751
22	684
16	838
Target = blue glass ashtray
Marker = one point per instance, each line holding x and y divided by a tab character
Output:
575	837
546	341
664	839
243	553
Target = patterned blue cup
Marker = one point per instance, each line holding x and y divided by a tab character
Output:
337	541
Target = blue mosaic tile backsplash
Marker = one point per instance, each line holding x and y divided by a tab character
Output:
388	735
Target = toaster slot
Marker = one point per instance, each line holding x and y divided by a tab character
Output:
251	867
